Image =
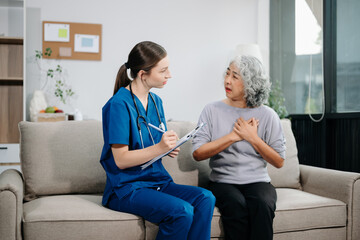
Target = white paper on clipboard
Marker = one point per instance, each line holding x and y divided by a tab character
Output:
183	140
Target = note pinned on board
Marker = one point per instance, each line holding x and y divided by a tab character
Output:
56	32
63	33
86	43
64	51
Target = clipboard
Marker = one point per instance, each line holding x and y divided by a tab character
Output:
183	140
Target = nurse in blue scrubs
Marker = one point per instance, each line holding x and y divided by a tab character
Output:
182	212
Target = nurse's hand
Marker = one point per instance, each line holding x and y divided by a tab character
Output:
168	141
174	153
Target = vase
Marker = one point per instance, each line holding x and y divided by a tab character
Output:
37	103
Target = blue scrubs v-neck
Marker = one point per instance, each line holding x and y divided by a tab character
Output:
120	127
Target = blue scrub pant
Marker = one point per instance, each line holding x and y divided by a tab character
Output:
182	212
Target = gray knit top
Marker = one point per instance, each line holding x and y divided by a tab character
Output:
239	163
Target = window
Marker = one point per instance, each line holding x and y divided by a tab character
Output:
348	56
296	54
332	141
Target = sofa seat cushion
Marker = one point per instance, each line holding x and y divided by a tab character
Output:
78	217
299	211
296	211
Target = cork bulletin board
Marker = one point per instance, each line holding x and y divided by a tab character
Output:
76	41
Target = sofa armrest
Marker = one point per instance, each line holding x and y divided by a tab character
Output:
340	185
11	204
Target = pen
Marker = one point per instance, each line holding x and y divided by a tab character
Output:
155	127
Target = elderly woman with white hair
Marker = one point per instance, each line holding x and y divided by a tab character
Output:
241	137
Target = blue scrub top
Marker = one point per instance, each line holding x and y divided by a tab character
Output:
120	127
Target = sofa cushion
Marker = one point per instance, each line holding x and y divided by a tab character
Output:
338	233
61	157
289	175
295	211
183	168
298	211
78	217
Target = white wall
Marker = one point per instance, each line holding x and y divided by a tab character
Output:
11	21
199	37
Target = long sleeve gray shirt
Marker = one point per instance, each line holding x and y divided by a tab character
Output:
239	163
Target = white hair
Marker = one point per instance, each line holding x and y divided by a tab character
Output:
256	83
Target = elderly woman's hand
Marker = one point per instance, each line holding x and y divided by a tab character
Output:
240	130
246	130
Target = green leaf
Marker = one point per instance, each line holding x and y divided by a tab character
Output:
50	73
48	52
38	54
59	69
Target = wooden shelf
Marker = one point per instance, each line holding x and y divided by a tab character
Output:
11	60
8	79
11	40
11	88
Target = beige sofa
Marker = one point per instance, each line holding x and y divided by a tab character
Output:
58	194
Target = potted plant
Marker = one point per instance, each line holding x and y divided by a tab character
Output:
57	91
276	100
61	90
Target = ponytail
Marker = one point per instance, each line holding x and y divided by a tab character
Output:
122	79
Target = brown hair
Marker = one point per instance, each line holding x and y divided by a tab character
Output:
144	56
